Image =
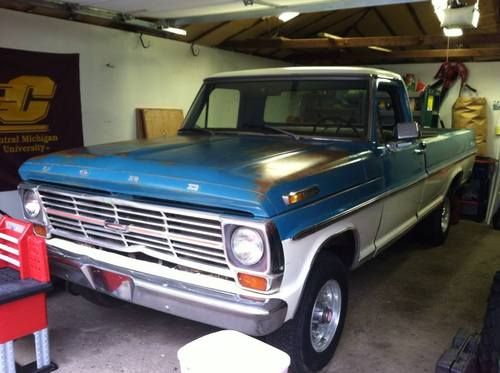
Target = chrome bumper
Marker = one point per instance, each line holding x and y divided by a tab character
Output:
221	309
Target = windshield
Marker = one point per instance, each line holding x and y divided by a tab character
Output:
321	108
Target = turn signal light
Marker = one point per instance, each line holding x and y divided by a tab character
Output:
40	230
296	197
252	282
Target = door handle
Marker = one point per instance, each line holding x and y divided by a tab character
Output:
419	151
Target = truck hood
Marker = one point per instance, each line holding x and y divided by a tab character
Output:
240	173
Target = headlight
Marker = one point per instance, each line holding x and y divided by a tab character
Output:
247	246
31	204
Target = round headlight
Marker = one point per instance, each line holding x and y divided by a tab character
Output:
247	246
31	204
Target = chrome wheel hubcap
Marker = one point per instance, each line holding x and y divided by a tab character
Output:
326	315
445	215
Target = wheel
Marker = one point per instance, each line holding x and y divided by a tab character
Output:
436	226
96	297
489	346
311	337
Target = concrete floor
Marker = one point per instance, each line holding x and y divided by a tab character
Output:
405	306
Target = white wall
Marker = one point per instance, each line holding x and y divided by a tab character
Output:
483	76
164	75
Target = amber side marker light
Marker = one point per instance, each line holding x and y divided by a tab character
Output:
40	230
252	282
296	197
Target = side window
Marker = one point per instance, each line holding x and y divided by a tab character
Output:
387	111
223	108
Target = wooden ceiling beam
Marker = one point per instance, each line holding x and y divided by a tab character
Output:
356	22
442	53
257	21
415	18
371	57
321	19
360	42
343	19
209	31
358	31
308	23
384	22
497	12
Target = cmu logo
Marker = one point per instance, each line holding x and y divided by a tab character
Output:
25	100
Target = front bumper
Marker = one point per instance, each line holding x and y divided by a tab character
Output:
218	308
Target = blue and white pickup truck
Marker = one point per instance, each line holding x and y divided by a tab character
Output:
280	181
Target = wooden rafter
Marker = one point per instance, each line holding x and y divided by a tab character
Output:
323	18
209	31
358	31
308	23
356	22
497	12
415	18
441	53
245	29
371	57
384	22
360	42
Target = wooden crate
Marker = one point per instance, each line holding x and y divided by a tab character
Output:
158	122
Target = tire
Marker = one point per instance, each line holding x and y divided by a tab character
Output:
327	276
436	226
96	297
489	346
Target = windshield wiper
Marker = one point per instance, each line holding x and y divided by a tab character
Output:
196	129
281	130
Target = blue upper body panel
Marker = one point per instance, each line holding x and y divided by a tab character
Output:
242	173
446	145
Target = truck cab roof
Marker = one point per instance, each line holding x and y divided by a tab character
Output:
307	71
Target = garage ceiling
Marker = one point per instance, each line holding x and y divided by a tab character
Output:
342	32
195	11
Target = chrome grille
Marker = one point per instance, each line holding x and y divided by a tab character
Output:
167	235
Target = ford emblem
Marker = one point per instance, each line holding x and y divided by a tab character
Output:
115	226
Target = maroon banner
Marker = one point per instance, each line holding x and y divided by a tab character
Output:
40	109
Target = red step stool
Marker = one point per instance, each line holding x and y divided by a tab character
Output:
24	281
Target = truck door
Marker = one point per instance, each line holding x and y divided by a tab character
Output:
403	162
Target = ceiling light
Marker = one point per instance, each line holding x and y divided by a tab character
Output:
439	8
464	17
329	36
380	49
175	30
475	18
453	32
287	16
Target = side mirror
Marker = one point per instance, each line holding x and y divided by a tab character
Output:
407	131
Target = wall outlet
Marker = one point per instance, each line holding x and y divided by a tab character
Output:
496	105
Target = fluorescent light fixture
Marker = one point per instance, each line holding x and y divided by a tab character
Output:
439	8
464	17
287	16
329	36
475	18
453	32
175	30
380	49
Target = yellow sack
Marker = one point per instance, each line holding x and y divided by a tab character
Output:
472	113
